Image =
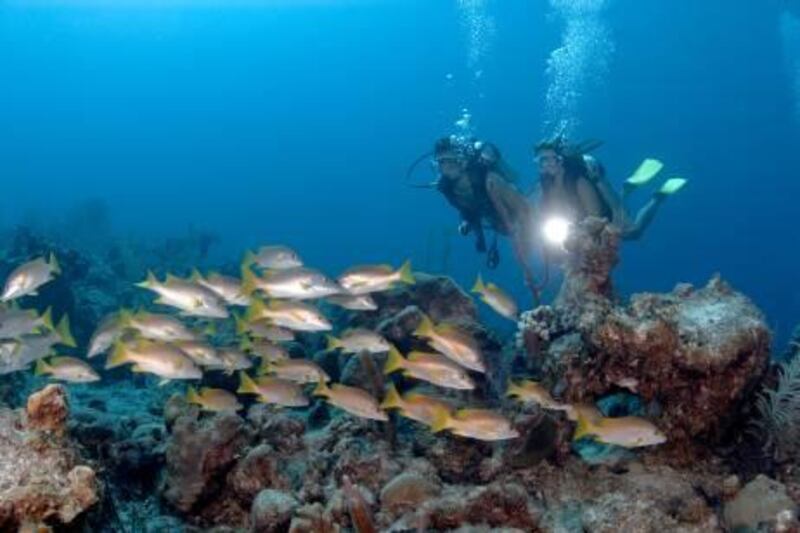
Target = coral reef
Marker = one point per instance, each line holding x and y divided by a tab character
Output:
693	356
42	476
690	361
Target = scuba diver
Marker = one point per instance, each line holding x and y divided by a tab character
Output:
475	179
574	185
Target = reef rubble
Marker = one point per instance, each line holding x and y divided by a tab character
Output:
42	475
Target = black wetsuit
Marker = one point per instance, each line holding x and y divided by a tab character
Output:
473	205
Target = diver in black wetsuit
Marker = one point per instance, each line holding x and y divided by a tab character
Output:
475	180
462	181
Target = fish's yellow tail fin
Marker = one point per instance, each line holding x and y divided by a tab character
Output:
513	389
425	327
265	367
118	356
249	282
249	260
441	420
393	400
192	396
42	368
125	317
406	275
585	425
47	319
394	361
322	389
246	384
255	310
333	342
479	286
246	344
64	333
241	325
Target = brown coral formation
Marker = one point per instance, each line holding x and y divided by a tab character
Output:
41	474
48	409
692	355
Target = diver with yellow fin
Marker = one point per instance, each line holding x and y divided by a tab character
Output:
574	186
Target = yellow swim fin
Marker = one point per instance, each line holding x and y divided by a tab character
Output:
672	185
646	172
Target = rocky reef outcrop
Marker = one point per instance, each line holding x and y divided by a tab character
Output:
42	475
691	356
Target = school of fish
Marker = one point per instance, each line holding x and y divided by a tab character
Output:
275	298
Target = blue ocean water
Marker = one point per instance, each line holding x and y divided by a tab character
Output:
294	122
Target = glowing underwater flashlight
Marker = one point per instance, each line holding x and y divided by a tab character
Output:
556	230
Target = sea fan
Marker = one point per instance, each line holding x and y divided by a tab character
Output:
778	423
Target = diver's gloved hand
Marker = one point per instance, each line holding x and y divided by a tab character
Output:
464	228
493	258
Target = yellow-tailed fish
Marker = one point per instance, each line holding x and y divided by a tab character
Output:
375	278
531	391
496	298
299	283
276	257
413	405
626	431
191	299
453	342
358	340
298	370
61	334
157	327
26	279
355	401
66	369
226	287
163	360
294	315
232	359
266	350
431	367
215	400
16	322
274	391
20	353
201	353
479	424
353	302
263	329
107	333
